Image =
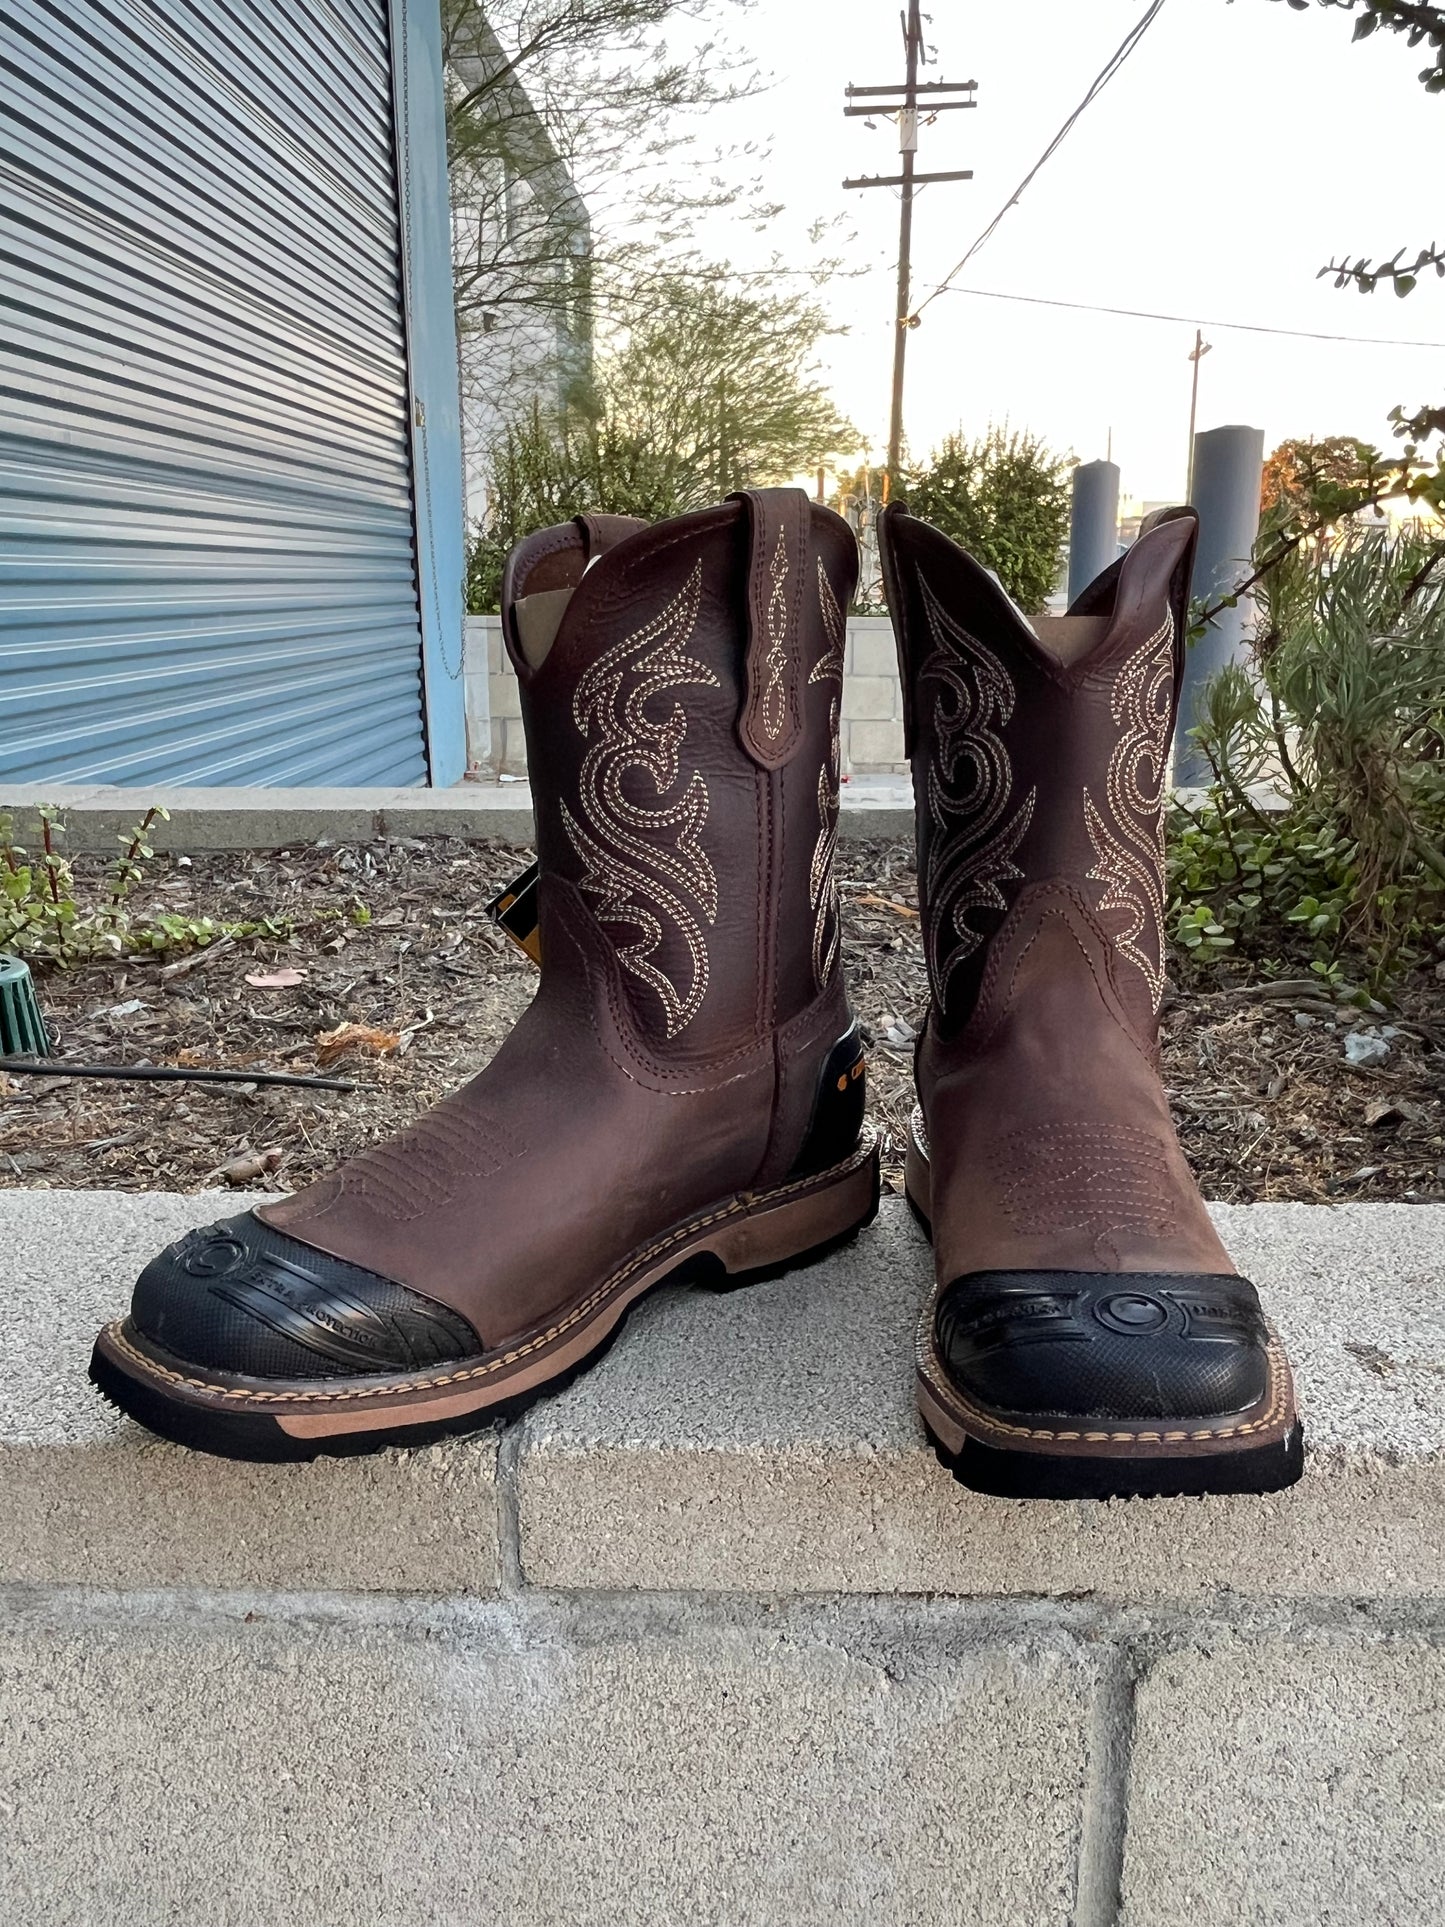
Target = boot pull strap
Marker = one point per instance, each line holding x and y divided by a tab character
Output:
603	532
779	529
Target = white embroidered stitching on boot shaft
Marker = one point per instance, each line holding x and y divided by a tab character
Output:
829	666
775	712
625	845
822	886
972	847
1129	841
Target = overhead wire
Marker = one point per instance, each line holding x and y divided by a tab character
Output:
1100	81
1197	321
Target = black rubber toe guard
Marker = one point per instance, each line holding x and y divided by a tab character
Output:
242	1298
1087	1345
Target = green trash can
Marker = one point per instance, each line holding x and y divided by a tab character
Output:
22	1028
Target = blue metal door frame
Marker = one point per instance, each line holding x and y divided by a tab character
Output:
436	428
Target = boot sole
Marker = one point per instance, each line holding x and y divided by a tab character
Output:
750	1237
1152	1460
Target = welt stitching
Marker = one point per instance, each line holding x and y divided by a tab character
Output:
743	1203
986	1421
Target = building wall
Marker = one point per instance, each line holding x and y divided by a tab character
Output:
230	463
872	721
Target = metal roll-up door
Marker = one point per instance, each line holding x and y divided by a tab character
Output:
207	536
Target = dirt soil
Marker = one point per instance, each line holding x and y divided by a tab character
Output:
1266	1104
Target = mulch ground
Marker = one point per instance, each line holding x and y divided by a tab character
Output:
1266	1104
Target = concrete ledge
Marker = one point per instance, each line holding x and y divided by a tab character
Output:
762	1442
768	1441
87	1496
266	819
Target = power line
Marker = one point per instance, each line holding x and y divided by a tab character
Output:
1101	80
1192	321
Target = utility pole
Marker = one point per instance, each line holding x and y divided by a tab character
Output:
1200	350
904	103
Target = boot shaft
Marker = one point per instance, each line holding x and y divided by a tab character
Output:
1040	752
680	695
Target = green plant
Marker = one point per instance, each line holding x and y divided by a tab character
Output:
1005	498
48	918
1342	715
1240	880
699	390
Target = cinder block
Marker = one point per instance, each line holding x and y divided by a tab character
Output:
875	745
1288	1783
769	1441
871	699
476	696
513	761
349	1772
875	653
477	652
506	695
90	1498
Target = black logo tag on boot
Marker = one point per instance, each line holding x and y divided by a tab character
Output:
514	911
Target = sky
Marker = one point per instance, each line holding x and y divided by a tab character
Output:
1240	148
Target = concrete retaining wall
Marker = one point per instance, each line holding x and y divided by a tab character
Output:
872	716
711	1638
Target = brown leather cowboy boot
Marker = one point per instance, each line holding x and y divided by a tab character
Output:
683	1097
1088	1334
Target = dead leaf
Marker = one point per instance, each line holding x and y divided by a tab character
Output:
277	979
253	1165
331	1044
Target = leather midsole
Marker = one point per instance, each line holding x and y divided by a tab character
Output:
751	1232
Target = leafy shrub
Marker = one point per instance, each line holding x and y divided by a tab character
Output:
1343	711
46	918
1005	498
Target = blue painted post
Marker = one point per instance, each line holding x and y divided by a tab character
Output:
1228	467
1093	523
431	340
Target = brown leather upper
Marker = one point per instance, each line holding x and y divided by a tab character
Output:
1039	784
690	987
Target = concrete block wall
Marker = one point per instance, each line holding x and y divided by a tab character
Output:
872	715
481	638
712	1638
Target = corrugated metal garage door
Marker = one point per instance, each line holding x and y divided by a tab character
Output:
207	566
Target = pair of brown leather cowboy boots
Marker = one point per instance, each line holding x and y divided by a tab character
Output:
685	1095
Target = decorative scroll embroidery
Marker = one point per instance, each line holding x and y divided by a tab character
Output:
829	666
774	703
967	788
1128	835
822	888
645	866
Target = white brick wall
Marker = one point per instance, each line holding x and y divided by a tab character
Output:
872	725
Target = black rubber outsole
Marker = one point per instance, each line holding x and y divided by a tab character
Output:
1003	1474
1039	1475
261	1439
